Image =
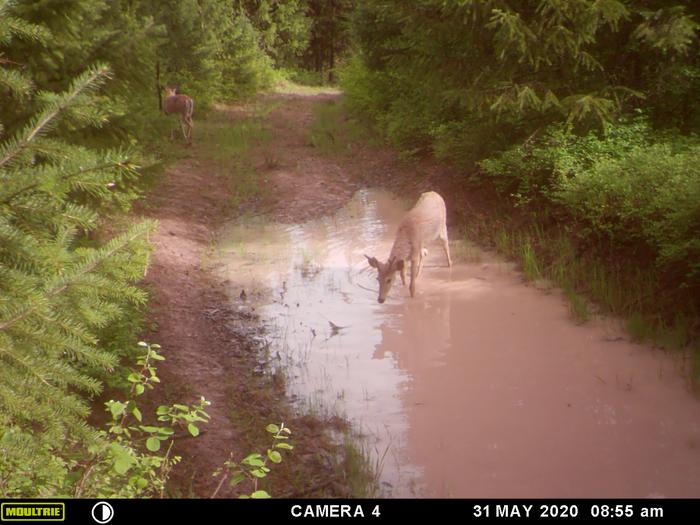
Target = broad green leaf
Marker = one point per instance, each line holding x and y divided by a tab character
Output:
153	444
122	464
116	408
253	460
236	479
274	456
141	483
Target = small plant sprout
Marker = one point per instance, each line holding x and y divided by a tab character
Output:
254	467
147	470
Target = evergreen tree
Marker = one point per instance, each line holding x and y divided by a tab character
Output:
245	67
450	65
283	27
80	32
55	294
330	33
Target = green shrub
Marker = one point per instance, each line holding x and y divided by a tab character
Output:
132	457
367	92
650	196
245	68
628	188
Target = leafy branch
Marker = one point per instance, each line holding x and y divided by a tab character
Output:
254	467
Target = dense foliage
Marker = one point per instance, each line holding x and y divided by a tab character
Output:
79	80
56	292
580	114
330	35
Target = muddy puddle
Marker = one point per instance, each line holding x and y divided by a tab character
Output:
481	386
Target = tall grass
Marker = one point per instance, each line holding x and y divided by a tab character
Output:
333	131
225	139
592	284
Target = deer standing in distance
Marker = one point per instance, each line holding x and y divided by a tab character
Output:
425	222
181	105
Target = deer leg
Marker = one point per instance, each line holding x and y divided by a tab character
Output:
403	275
446	246
415	268
188	121
421	253
183	125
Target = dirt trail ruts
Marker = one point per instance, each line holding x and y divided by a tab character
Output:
204	355
302	184
189	206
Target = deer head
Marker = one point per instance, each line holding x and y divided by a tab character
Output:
386	272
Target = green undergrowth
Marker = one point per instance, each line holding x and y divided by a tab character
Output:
333	130
225	140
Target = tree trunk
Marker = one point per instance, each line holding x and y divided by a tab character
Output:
158	87
331	74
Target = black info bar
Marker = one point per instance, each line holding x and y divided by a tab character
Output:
200	511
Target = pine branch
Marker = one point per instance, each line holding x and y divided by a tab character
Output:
63	282
11	26
64	178
89	80
27	366
13	81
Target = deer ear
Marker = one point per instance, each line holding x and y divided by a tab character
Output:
398	265
372	261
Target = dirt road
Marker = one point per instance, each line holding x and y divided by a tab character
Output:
211	346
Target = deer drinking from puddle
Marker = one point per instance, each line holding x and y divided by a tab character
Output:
183	106
425	222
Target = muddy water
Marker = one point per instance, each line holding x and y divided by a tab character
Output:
481	386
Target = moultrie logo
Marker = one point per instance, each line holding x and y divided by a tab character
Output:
33	511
